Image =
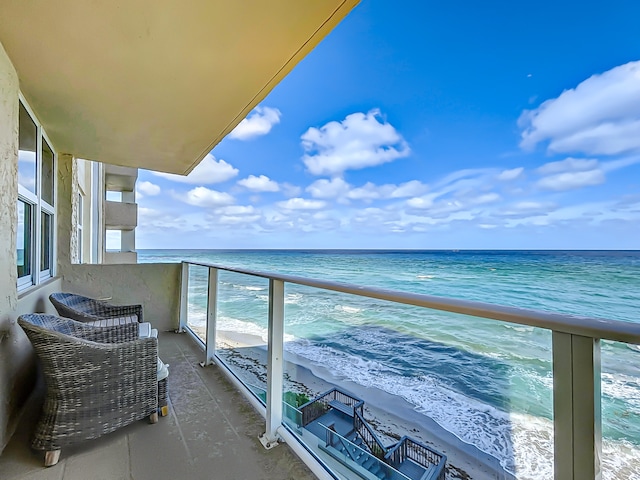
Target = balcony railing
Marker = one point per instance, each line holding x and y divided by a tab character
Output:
317	407
576	362
408	449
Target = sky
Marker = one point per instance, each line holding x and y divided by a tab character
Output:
430	125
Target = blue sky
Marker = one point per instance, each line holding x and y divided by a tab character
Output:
430	125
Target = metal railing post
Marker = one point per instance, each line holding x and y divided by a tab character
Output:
275	363
576	407
212	316
184	297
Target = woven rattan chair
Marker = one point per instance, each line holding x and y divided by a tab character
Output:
98	379
89	310
103	314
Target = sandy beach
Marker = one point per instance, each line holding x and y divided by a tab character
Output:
391	416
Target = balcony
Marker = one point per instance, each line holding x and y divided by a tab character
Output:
210	428
120	179
120	215
209	420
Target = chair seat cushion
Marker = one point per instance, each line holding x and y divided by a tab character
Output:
163	370
110	322
145	331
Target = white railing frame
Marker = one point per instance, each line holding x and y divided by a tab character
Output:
575	345
275	362
212	316
184	297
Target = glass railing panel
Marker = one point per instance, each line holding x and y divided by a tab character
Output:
620	410
197	300
242	326
445	379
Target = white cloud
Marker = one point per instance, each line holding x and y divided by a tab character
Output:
334	188
568	165
291	190
237	219
368	192
508	175
601	116
525	208
258	123
359	141
342	191
205	197
302	204
236	210
148	188
408	189
208	171
421	202
486	198
571	180
259	184
570	174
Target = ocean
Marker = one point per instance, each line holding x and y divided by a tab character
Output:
489	383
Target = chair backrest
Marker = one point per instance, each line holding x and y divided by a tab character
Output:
51	323
51	328
75	306
85	309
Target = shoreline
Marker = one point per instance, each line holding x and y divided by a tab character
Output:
391	416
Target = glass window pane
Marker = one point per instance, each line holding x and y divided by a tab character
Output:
27	151
46	244
79	245
80	209
47	173
24	239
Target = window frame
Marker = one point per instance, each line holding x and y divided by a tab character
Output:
80	225
39	207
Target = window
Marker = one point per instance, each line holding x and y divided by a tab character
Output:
36	202
24	243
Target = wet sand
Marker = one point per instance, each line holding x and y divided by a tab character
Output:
391	416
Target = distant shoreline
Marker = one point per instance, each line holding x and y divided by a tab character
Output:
388	250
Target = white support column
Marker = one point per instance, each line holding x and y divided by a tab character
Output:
212	316
184	297
275	363
576	407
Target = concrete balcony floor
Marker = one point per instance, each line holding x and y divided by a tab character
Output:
211	432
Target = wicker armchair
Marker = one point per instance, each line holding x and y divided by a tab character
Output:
98	379
88	310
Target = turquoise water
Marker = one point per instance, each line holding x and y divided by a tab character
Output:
487	382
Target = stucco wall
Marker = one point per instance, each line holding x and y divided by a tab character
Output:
10	344
66	212
156	286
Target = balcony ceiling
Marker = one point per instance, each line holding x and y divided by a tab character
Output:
155	84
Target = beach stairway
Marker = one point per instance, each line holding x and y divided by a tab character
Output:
336	417
353	448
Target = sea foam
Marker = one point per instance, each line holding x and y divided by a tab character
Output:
522	443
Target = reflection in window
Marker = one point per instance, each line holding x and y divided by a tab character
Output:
47	173
24	237
46	243
28	145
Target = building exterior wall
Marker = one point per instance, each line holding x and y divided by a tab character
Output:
156	286
17	365
66	212
11	344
